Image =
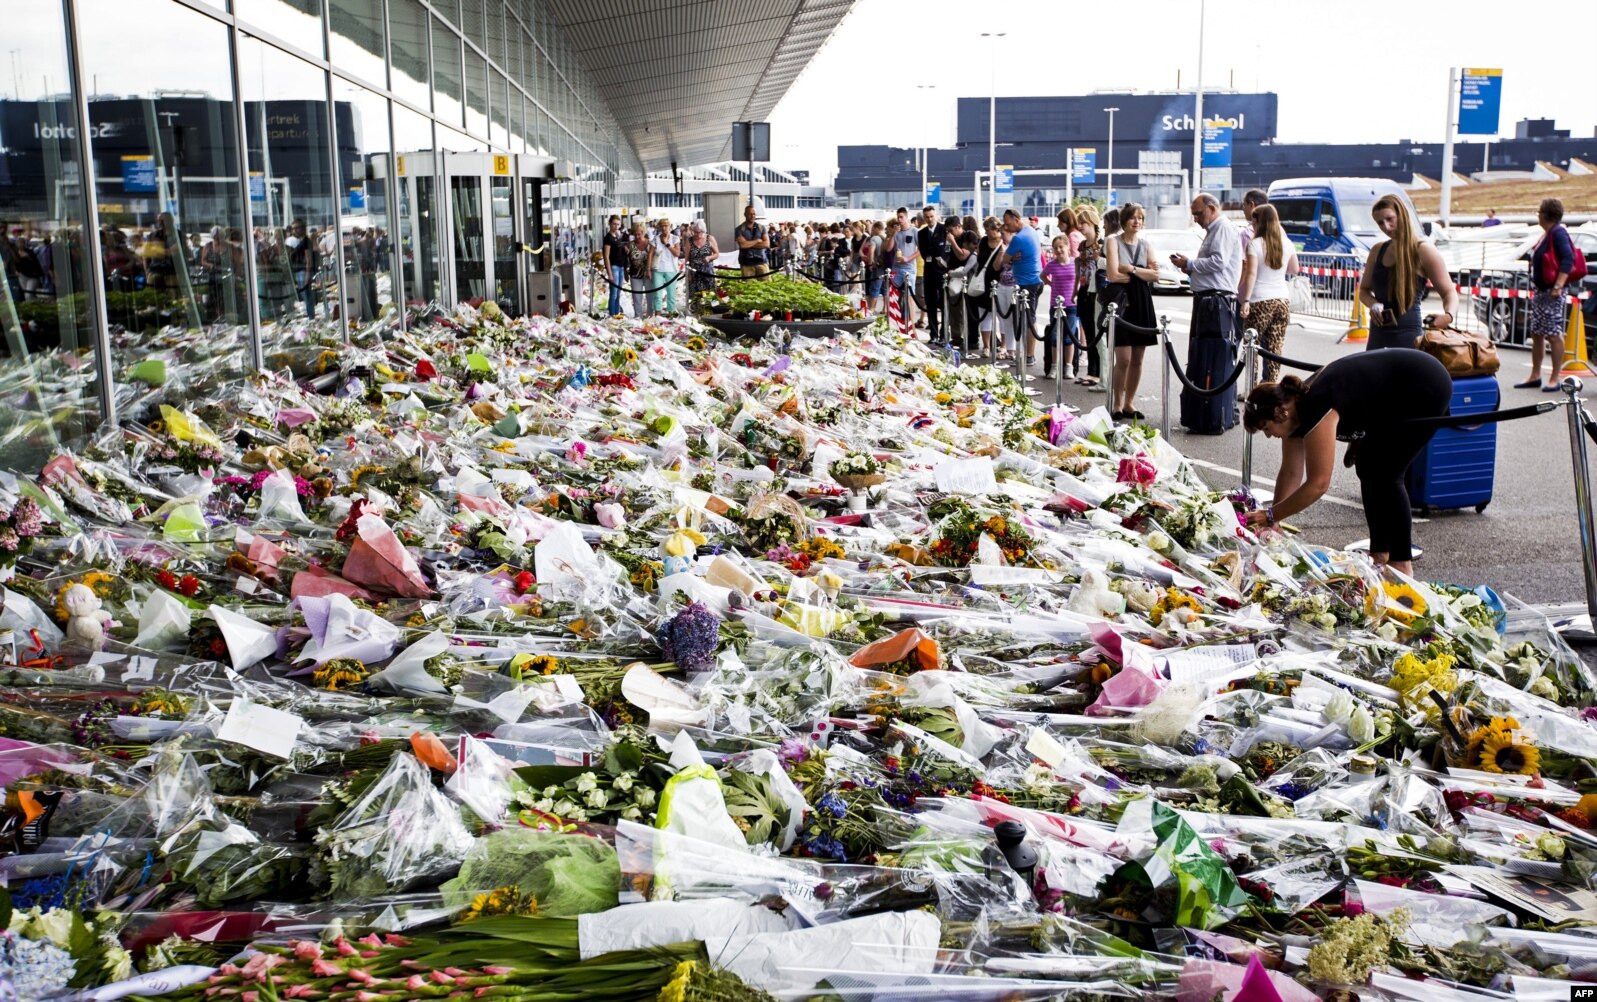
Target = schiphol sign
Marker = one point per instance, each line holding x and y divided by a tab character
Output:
1184	123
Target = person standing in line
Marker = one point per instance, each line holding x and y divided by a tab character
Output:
615	257
1216	271
664	266
1131	269
871	260
932	242
1266	301
1059	275
1393	283
1089	259
303	262
1251	201
640	254
701	262
906	252
981	285
1024	257
961	244
753	244
1366	399
1552	268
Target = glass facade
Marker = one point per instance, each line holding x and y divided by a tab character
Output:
256	174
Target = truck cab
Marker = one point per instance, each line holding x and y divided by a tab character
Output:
1331	215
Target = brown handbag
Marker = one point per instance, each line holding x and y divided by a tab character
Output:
1464	353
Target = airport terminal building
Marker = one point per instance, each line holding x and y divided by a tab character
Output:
1152	151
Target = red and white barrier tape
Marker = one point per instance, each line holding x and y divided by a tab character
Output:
1492	292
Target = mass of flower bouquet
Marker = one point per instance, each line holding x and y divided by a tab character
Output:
540	659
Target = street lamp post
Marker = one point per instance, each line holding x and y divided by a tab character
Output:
992	120
1197	128
1110	198
925	150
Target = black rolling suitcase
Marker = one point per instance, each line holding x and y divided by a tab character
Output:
1210	362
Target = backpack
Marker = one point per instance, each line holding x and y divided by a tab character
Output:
867	253
1549	263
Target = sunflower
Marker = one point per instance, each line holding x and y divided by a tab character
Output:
1508	751
98	582
340	673
1399	600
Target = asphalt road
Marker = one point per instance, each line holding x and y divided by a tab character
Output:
1526	542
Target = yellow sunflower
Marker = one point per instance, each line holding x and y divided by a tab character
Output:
1510	752
1400	601
98	582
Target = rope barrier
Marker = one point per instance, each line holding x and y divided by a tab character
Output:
639	292
1291	362
1175	363
1491	417
1590	424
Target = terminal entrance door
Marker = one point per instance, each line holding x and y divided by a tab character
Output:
470	224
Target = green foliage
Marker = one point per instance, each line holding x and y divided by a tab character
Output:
776	294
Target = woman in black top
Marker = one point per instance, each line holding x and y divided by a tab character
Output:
1366	399
979	306
1393	283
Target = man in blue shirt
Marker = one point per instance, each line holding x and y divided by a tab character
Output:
1024	258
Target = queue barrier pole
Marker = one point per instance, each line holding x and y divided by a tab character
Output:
1056	321
1164	380
1112	311
1250	355
1583	505
1018	314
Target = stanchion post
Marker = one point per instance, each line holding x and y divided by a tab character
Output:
1056	328
1017	313
1583	506
1250	354
1112	311
1164	378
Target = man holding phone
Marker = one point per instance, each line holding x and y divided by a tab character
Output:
1215	272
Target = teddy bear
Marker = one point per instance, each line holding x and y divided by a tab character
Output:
87	623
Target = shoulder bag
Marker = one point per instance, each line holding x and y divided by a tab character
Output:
1463	353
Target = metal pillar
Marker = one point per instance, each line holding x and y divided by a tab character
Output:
1250	356
1583	504
93	246
1055	327
1022	334
1164	378
1111	311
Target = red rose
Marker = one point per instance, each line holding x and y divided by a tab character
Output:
426	370
166	579
525	582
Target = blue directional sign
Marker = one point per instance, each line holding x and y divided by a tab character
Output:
257	186
1005	180
1216	143
1114	199
1084	165
1480	98
138	175
934	193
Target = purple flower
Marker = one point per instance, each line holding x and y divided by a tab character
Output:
26	518
832	804
1589	714
8	539
792	750
690	637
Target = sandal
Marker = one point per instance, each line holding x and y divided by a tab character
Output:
1529	384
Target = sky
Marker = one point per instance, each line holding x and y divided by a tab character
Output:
1346	70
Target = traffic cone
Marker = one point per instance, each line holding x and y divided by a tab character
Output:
1358	325
1576	363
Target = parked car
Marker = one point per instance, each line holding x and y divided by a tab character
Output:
1168	242
1507	319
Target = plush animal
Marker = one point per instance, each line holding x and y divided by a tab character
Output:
87	621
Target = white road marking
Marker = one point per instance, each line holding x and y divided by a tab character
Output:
1267	482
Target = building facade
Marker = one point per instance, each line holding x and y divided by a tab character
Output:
1152	151
250	166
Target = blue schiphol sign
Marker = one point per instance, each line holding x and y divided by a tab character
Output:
1480	98
1084	165
934	194
1005	181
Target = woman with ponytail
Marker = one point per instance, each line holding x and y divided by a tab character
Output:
1393	284
1367	400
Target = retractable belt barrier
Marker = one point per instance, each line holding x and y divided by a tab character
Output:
639	292
1215	391
1293	363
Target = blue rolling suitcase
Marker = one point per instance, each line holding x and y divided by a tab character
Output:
1210	361
1458	465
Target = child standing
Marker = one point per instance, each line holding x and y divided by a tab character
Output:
1059	274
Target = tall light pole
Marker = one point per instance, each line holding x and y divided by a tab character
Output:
925	150
1110	198
992	121
1197	128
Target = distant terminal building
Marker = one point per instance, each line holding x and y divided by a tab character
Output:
1152	154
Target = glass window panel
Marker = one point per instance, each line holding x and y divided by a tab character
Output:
500	132
175	226
297	22
356	31
366	170
470	263
47	398
476	94
449	9
447	72
416	208
409	24
293	207
472	23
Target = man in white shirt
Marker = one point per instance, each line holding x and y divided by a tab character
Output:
1216	271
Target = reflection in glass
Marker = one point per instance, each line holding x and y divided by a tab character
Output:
447	72
366	169
476	94
410	26
297	22
502	213
172	216
292	205
499	135
48	362
470	273
414	171
355	28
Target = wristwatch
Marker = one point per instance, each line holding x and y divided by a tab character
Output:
1269	515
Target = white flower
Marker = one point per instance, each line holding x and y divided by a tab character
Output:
1551	846
1387	630
564	808
1543	686
598	799
1326	621
1339	708
632	813
587	782
1361	726
623	782
1159	542
645	797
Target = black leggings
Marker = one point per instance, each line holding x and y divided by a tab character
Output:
1382	461
1087	309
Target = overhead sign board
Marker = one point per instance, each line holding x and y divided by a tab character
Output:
934	193
1216	143
138	175
1480	98
751	141
1004	181
1084	165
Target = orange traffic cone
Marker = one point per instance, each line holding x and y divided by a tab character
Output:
1575	361
1358	325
